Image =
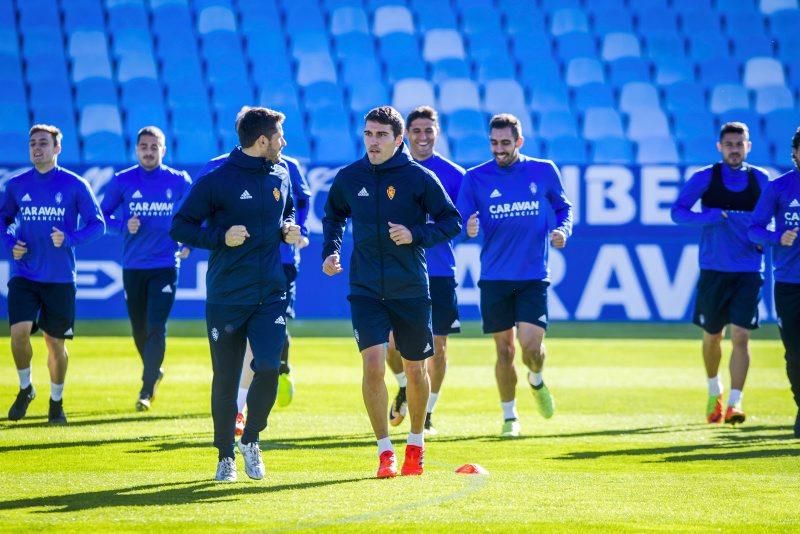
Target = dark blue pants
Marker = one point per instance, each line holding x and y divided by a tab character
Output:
787	304
229	329
149	296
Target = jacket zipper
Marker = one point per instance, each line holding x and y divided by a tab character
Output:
263	210
378	224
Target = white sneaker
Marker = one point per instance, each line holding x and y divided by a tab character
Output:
253	465
226	470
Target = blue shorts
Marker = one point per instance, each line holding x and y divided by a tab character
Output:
230	326
291	287
727	298
504	303
444	305
409	319
50	306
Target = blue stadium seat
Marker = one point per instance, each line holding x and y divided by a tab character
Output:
550	6
87	43
315	69
191	118
494	67
522	18
42	42
8	18
701	20
358	71
719	70
321	95
544	73
14	117
198	147
95	91
100	118
550	98
576	45
689	6
127	16
470	151
348	19
747	116
230	92
629	69
355	45
727	96
266	69
434	15
763	72
10	69
674	70
47	68
488	45
761	153
787	47
664	46
583	70
772	98
403	67
9	42
593	95
449	69
458	94
793	70
656	151
138	117
38	15
301	17
465	123
689	124
638	95
768	7
555	124
612	150
412	92
567	20
743	26
330	5
642	6
647	122
84	67
761	45
619	45
13	147
655	20
500	94
708	46
136	66
329	149
479	22
282	95
784	23
171	22
46	93
441	43
567	150
104	148
739	6
607	21
391	19
332	121
531	47
780	125
602	122
699	150
365	96
215	18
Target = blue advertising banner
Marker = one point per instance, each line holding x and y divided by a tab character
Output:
625	261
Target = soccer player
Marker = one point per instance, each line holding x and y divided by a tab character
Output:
422	128
44	205
388	197
731	266
510	196
781	201
146	195
247	206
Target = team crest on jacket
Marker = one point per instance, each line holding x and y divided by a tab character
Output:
169	194
533	188
390	191
276	193
59	198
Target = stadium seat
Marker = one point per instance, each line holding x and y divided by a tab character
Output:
784	23
657	151
583	70
13	146
568	20
647	122
330	150
629	69
480	22
470	151
612	150
521	18
700	20
140	116
655	20
449	69
763	72
434	15
197	148
700	150
787	47
638	95
322	94
780	125
464	123
531	48
45	93
550	6
440	44
688	6
332	121
567	150
550	98
126	16
14	117
40	42
458	94
136	66
769	7
728	96
358	71
772	98
100	118
403	67
761	153
689	124
664	46
593	95
312	69
355	45
619	45
607	21
576	45
541	74
216	18
412	92
365	96
719	70
708	46
348	19
758	45
487	45
95	91
555	124
674	70
502	94
84	67
743	25
602	122
495	67
391	19
104	148
87	43
302	17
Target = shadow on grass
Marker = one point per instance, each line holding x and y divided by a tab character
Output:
181	493
76	420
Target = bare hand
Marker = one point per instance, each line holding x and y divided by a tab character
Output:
788	237
473	225
558	239
331	265
291	233
57	236
236	235
302	242
19	250
184	253
133	224
400	234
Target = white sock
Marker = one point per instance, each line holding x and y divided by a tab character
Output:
735	398
24	377
432	398
416	439
509	409
241	399
714	386
384	444
535	379
402	381
56	391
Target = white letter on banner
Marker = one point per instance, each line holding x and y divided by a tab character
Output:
671	298
660	186
558	268
609	183
468	260
572	179
5	274
612	259
85	275
198	292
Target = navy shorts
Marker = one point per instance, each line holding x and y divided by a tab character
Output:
444	305
50	306
291	287
727	298
504	303
409	319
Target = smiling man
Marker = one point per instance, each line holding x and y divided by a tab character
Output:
389	199
731	266
145	196
54	211
509	198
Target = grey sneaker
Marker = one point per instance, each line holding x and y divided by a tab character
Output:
226	470
253	465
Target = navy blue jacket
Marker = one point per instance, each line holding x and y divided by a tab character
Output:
399	190
244	191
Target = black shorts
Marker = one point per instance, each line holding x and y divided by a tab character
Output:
444	305
409	319
50	306
787	306
291	287
504	303
727	298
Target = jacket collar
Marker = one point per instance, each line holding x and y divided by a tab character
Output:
240	159
401	157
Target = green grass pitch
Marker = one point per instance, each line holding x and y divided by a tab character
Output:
627	450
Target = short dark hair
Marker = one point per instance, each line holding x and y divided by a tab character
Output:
155	131
734	128
256	122
506	120
47	128
239	116
423	112
796	140
387	115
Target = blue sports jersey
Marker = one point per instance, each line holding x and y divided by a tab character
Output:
780	200
301	193
724	245
512	204
36	203
440	258
153	196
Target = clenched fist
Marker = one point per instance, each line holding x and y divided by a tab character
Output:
236	235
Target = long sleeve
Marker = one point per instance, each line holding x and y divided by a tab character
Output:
111	202
94	225
690	193
8	212
561	204
447	220
288	209
187	222
301	193
466	202
759	231
336	213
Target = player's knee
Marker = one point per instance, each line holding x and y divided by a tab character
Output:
505	354
740	337
415	370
